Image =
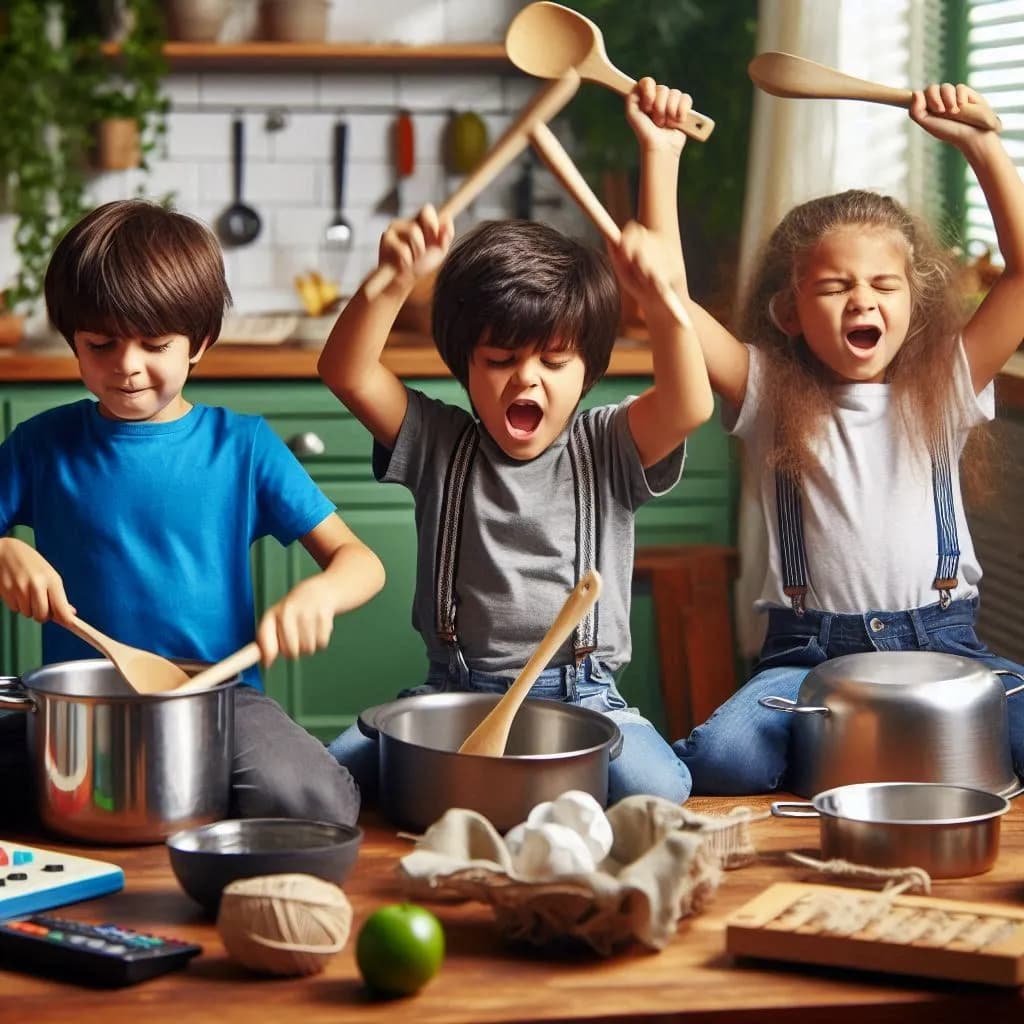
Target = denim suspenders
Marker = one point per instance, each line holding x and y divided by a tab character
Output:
449	531
789	506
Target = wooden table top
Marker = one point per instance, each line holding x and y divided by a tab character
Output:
484	980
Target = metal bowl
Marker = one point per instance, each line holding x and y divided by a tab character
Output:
206	859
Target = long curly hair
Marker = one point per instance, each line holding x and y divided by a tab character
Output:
919	375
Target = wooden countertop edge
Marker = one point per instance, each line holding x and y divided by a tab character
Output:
407	355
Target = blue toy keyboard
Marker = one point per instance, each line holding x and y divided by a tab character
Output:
32	879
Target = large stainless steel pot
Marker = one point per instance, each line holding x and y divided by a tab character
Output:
950	831
552	748
900	716
114	766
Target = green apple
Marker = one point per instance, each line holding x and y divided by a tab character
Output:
399	948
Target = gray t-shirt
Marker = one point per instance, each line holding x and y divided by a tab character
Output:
517	552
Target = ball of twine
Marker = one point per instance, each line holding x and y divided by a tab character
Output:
284	924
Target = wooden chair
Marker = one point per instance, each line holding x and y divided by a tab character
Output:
690	586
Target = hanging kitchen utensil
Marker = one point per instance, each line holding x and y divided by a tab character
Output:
228	667
792	77
546	102
491	735
339	232
143	671
546	39
239	224
561	165
403	152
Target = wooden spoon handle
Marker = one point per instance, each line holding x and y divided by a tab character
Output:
563	168
491	735
785	74
90	634
242	659
547	102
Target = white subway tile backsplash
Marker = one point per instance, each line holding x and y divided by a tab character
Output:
467	21
459	92
248	89
181	88
388	21
343	91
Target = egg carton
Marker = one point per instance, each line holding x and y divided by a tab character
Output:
659	869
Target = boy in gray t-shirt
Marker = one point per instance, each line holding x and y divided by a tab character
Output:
515	504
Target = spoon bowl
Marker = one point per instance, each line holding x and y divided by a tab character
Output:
491	736
546	39
143	671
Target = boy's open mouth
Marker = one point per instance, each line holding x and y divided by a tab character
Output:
523	418
864	338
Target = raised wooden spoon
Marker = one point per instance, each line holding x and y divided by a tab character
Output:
143	671
784	74
546	39
491	735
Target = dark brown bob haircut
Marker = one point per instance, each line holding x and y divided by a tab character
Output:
132	268
512	283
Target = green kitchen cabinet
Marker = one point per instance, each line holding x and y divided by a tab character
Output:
374	651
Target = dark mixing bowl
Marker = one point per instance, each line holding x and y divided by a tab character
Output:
207	858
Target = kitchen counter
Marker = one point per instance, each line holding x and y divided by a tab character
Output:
408	354
484	980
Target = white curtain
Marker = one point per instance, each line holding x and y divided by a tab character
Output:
800	149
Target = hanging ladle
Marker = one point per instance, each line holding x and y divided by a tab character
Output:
491	735
339	232
239	224
546	39
143	671
784	74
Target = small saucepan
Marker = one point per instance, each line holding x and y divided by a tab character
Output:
552	747
949	831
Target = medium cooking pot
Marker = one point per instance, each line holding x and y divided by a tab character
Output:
553	747
950	831
115	766
900	716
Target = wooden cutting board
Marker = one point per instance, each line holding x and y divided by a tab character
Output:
922	935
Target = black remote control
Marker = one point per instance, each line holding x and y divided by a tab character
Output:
97	954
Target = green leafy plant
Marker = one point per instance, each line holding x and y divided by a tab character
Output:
55	83
702	48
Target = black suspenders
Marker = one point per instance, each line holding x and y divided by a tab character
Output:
449	529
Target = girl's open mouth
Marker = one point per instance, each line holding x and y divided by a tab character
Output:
523	419
863	338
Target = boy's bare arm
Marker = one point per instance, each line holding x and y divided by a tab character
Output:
660	148
350	364
997	327
302	621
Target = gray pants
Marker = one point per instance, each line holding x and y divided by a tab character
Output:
279	770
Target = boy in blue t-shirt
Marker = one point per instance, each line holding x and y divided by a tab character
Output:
145	507
515	503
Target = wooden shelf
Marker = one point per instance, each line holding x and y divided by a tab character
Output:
269	56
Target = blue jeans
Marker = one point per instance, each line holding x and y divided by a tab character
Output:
743	748
646	763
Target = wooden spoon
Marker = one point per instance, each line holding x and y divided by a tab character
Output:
546	39
143	671
783	74
491	735
545	103
245	657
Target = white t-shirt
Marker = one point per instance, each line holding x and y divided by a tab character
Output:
868	506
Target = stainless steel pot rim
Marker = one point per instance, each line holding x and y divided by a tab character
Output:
998	805
37	679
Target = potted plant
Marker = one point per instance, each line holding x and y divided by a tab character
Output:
55	86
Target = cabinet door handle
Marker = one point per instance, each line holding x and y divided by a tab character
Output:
305	444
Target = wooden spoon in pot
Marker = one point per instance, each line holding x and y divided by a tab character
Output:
784	74
242	659
546	39
143	671
491	735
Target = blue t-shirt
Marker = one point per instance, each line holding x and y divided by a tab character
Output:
150	524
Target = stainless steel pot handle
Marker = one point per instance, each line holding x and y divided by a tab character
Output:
790	706
794	809
22	701
1016	675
